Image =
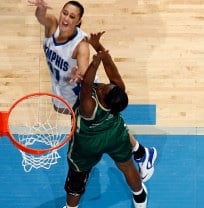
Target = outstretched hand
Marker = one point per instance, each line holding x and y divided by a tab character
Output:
76	75
39	3
94	40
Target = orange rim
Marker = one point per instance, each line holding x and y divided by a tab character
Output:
41	151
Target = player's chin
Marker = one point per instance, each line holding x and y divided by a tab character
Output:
64	28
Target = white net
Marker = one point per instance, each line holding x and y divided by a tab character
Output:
39	131
39	161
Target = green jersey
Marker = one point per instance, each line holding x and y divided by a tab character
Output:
103	133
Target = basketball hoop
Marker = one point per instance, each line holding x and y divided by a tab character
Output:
37	129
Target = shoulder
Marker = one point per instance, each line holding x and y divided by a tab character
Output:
82	49
81	32
83	45
82	38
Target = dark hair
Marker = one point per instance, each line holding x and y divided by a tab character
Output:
116	100
77	4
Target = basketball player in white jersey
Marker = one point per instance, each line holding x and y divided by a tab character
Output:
65	48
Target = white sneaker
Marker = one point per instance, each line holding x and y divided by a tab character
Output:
146	164
143	204
66	206
140	205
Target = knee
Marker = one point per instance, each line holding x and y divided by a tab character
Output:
76	182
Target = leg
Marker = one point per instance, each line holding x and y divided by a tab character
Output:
75	187
131	175
133	180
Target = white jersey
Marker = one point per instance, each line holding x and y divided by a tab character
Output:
60	62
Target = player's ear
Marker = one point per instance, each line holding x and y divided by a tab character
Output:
79	23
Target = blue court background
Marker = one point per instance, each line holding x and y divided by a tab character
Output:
178	180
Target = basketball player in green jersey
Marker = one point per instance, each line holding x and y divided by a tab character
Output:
101	129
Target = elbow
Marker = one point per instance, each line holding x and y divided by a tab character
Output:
119	84
122	86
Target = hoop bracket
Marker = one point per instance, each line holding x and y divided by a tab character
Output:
4	123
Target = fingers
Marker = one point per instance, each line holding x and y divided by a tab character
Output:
95	36
39	3
76	75
98	34
78	79
35	3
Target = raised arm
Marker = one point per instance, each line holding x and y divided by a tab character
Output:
48	20
87	103
109	66
112	71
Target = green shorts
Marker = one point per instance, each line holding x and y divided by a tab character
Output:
85	151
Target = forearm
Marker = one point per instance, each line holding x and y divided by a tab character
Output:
109	66
112	71
99	47
40	14
90	74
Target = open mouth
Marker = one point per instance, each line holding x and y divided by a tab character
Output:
64	23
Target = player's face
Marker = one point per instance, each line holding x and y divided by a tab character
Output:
69	18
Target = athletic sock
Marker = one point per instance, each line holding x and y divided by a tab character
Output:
139	153
67	206
140	196
136	147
